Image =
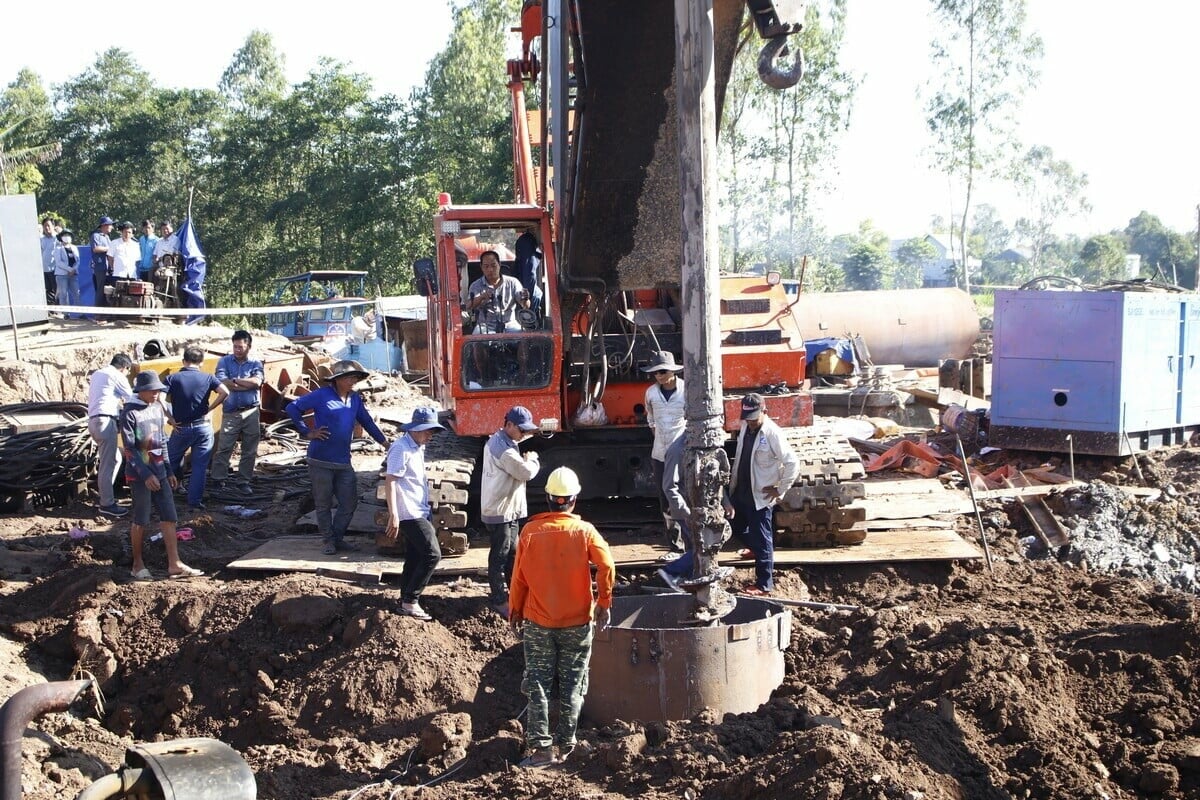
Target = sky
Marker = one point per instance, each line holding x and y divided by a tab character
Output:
1114	98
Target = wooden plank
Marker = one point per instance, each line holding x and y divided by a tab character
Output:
909	524
892	486
911	506
1026	491
363	520
303	554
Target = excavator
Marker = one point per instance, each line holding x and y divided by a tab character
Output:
594	236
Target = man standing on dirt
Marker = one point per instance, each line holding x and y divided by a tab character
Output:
108	391
502	504
243	377
335	407
552	604
764	467
409	511
142	431
665	406
187	392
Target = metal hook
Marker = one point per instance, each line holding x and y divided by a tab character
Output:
772	74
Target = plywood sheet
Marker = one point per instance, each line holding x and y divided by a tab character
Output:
303	554
876	488
914	506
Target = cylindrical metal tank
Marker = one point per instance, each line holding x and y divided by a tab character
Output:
652	666
914	327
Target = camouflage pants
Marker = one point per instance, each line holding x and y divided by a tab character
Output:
551	653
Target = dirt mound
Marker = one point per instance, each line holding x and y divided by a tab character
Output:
1046	679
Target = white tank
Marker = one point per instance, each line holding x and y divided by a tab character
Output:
914	327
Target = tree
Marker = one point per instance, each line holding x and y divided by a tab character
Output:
775	144
911	257
1053	190
459	123
107	127
254	79
867	262
1169	255
1102	259
986	61
24	138
13	158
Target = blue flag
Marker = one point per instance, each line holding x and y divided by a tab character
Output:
194	269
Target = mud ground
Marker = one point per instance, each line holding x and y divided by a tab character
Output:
1047	678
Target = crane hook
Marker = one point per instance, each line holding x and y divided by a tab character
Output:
774	76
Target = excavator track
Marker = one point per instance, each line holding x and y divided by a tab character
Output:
449	464
818	510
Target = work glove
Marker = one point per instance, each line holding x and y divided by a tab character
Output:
514	623
601	617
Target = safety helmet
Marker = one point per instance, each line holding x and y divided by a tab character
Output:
563	482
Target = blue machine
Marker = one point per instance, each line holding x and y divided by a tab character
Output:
1115	371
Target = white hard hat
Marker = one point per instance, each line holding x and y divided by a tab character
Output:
563	482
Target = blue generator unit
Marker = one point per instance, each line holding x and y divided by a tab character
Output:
1101	372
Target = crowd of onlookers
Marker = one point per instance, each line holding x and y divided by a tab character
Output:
111	259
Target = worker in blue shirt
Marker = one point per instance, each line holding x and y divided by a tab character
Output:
336	407
188	392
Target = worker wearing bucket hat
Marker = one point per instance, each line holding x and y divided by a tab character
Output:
665	406
336	408
409	511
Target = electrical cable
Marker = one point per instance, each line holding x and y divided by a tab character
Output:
45	466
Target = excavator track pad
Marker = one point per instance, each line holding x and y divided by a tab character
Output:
449	463
818	510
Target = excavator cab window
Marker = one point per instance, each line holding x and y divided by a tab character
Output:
507	361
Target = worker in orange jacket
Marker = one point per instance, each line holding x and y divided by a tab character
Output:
551	603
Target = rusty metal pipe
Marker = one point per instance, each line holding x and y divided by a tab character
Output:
23	707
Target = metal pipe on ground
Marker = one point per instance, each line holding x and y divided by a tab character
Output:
987	552
22	708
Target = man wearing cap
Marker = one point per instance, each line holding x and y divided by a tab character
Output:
188	392
335	407
66	269
108	392
243	377
665	406
552	605
502	504
142	432
100	243
409	512
124	254
764	467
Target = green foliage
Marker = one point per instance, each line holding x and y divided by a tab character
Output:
1165	254
985	62
911	258
1102	259
867	264
775	144
1052	189
24	139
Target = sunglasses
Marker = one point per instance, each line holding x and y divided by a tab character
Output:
662	372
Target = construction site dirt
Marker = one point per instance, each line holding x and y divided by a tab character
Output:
1070	674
